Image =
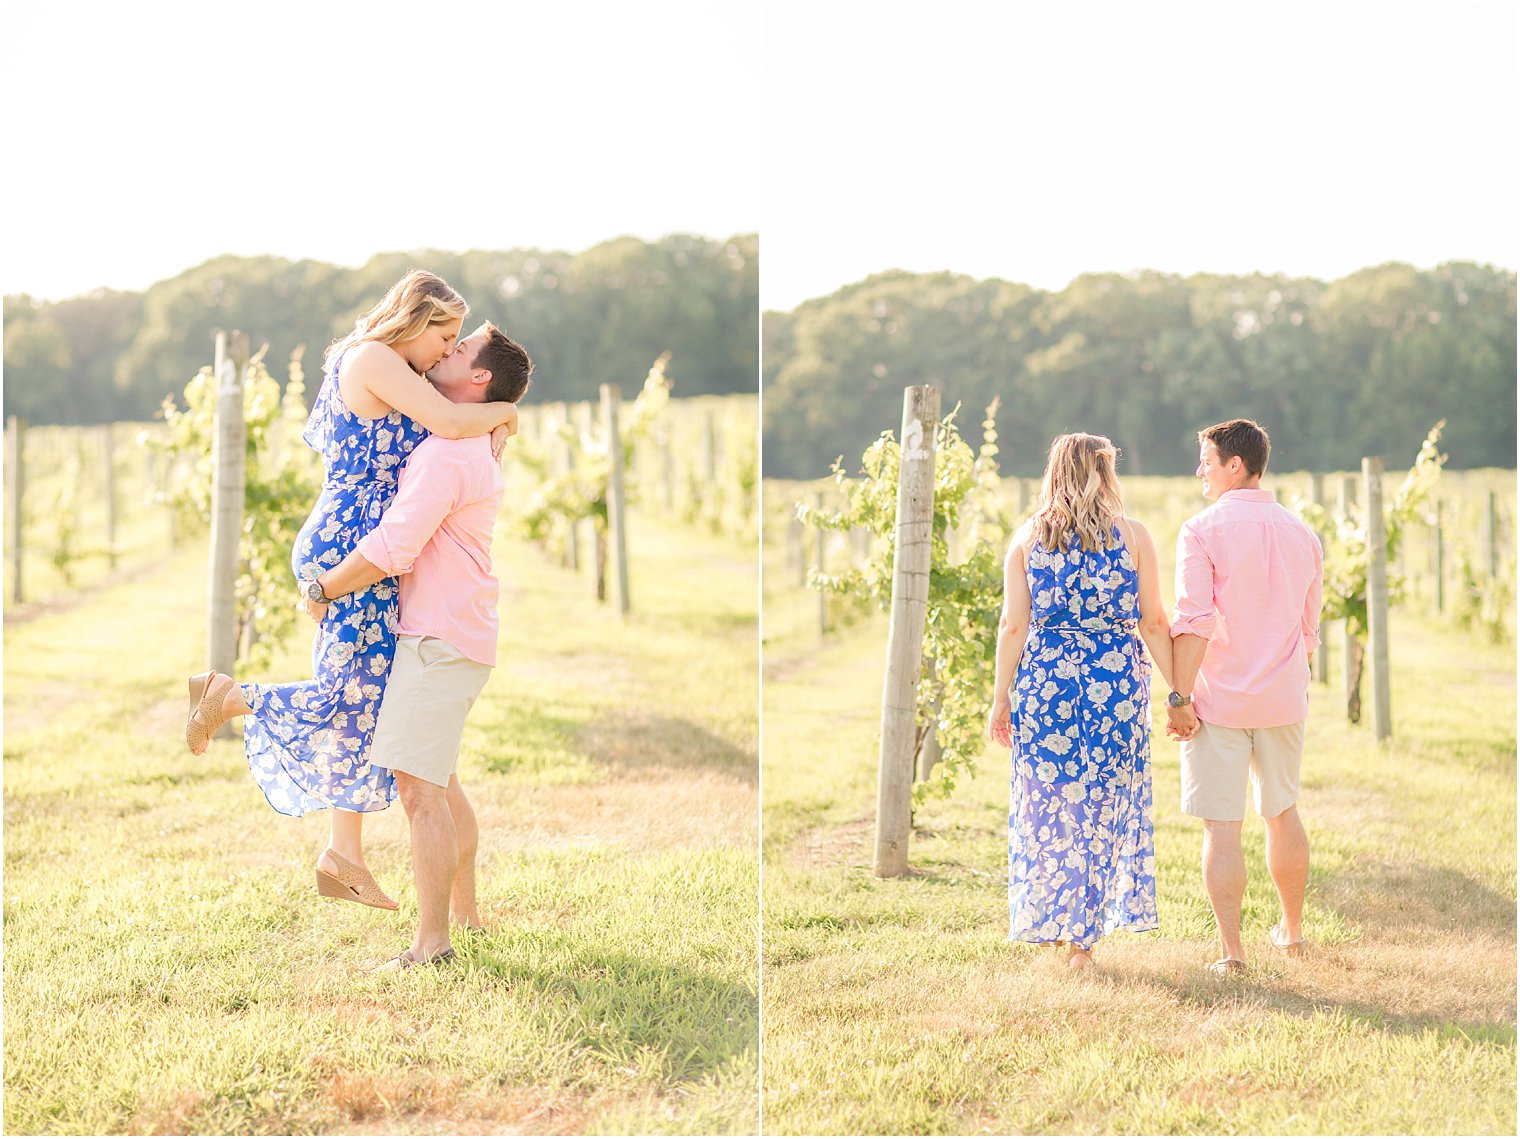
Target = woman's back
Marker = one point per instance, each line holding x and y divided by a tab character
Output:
1094	590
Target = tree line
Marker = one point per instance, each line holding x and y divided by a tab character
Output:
1363	365
588	318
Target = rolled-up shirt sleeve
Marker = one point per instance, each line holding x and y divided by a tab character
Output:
1314	601
428	493
1195	612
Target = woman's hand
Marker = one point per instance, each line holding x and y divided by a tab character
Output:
998	726
499	436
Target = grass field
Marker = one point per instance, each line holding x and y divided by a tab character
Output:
899	1006
170	969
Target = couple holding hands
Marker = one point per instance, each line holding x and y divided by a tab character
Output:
1072	693
394	564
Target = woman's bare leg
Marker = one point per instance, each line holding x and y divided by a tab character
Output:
345	836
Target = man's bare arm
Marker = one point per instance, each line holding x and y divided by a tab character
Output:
350	575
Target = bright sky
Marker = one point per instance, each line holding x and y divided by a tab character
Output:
143	138
1035	142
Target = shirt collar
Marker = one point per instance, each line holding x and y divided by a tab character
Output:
1257	495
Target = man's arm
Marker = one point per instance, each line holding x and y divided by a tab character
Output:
427	495
1193	626
352	574
1314	603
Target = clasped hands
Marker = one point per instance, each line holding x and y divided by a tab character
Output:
1181	723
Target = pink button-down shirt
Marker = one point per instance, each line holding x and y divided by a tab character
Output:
1248	580
437	536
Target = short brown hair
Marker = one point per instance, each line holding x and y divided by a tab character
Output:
1244	438
507	361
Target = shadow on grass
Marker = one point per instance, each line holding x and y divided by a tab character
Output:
622	1008
1383	897
1271	995
646	743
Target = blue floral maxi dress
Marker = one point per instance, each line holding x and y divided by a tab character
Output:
308	742
1081	862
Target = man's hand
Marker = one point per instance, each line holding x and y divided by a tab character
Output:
998	726
1181	723
316	610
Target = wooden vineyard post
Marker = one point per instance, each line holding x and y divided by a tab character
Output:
823	594
617	518
905	637
15	456
712	508
796	548
108	465
228	479
1377	598
1491	534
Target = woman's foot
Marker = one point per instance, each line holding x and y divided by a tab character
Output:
208	694
347	881
1079	959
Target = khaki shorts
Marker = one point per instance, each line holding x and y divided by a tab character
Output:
1217	762
431	689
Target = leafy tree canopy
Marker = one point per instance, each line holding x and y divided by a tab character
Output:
1358	366
589	318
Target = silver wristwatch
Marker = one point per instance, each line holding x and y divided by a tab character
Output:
316	594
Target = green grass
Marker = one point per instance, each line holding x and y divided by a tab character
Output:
169	967
899	1006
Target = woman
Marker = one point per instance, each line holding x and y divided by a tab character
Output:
308	742
1080	591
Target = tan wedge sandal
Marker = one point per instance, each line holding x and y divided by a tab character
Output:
205	714
352	884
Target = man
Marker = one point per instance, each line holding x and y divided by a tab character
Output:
1247	623
436	537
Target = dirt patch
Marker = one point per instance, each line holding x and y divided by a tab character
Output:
845	844
62	603
784	668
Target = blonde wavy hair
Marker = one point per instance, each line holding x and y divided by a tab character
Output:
414	302
1079	494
